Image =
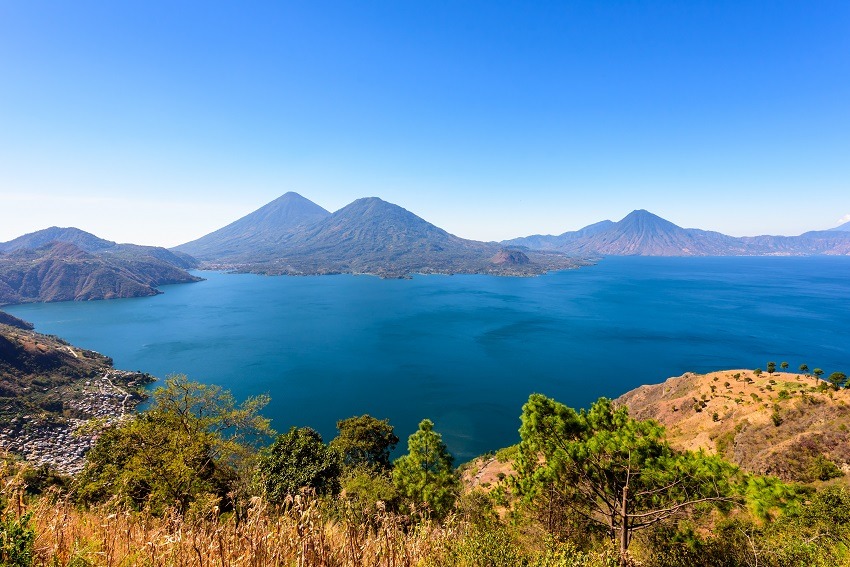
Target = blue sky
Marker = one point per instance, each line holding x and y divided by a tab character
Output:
157	122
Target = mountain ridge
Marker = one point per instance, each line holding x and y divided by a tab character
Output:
641	233
82	239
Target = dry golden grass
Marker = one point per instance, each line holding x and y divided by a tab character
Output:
757	421
301	536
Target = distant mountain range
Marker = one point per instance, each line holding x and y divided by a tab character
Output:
642	233
62	264
293	235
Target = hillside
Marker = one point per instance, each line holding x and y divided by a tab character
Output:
12	321
49	389
72	265
777	425
258	233
369	236
642	233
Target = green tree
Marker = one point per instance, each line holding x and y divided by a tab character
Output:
837	379
757	372
298	459
194	443
617	472
771	367
365	442
783	365
817	373
804	368
424	476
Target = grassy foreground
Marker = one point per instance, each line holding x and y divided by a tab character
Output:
307	531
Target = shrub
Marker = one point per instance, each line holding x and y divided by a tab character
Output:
822	468
17	541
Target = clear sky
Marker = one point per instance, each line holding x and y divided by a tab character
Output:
156	122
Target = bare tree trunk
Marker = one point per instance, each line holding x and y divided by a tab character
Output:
624	528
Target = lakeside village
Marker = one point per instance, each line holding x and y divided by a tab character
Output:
64	442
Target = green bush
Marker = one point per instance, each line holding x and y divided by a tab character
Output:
822	468
484	546
17	541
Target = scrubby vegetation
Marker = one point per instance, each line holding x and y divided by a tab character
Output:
793	426
198	479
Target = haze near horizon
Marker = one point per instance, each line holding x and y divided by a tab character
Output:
159	123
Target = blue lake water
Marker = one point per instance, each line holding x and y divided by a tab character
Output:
466	351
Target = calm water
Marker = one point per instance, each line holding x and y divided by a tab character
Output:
466	351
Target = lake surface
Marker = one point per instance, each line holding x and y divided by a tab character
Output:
466	351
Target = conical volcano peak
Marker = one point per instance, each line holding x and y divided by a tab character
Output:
269	224
643	220
287	209
644	216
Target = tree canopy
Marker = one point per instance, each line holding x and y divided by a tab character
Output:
614	471
190	444
298	459
365	441
837	379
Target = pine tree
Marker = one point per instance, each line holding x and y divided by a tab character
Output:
425	477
